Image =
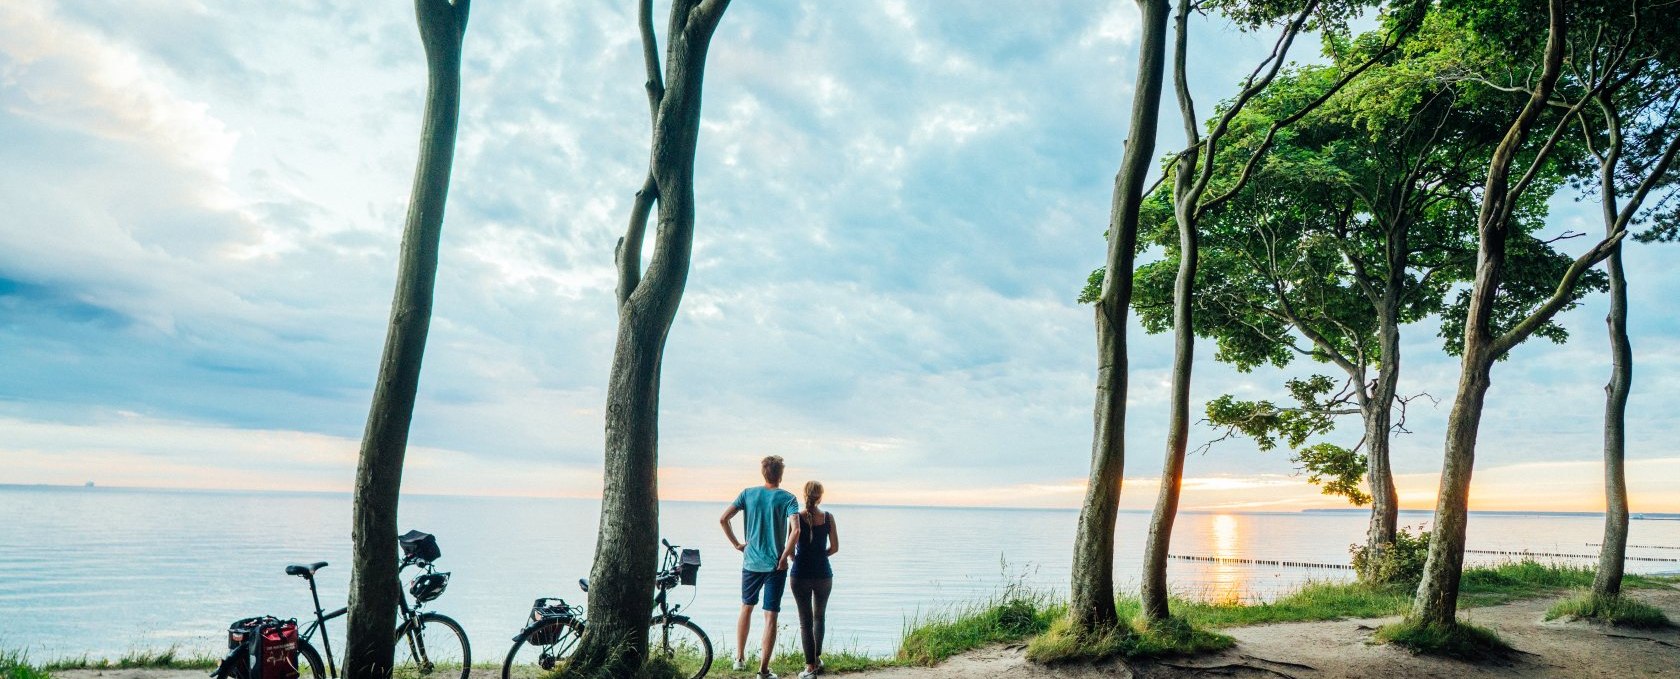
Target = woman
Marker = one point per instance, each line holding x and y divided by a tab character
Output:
812	538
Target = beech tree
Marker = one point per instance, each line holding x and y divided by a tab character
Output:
374	589
626	549
1572	73
1191	175
1091	606
1360	220
1629	130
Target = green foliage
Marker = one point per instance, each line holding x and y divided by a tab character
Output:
1336	469
1015	615
1400	563
1620	611
16	665
1460	640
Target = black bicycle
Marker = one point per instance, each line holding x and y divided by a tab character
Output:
552	634
428	644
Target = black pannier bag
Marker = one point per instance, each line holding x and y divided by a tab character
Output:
419	546
428	587
688	567
550	618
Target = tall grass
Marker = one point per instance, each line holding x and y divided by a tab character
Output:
1620	611
16	665
170	658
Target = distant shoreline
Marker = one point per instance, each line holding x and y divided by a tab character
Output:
1650	516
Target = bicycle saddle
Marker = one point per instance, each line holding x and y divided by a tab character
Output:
303	571
583	584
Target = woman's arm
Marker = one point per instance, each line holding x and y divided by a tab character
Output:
833	537
792	539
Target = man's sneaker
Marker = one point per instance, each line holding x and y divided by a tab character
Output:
740	664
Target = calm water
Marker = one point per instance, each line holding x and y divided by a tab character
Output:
102	571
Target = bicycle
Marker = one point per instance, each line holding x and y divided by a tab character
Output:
555	628
435	643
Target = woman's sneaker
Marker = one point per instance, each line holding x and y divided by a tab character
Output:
807	674
740	665
767	675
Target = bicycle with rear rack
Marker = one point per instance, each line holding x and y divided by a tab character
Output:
428	645
552	633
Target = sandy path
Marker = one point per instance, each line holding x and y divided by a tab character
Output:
1311	649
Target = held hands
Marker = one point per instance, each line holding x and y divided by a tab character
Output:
740	547
782	563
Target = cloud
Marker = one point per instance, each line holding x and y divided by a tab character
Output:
897	205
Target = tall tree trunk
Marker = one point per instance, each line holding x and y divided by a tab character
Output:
1185	198
374	590
626	549
1091	607
1437	595
1613	551
1378	411
1436	602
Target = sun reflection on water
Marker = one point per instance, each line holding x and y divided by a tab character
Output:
1226	581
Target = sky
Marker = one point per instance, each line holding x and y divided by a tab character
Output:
898	204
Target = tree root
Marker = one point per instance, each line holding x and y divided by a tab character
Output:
1229	669
1654	641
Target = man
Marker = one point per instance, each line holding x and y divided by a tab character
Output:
767	510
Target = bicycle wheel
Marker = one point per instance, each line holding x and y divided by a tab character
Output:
528	659
309	663
431	646
683	644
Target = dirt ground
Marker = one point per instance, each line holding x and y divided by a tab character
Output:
1312	649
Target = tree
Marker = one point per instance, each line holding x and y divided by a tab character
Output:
626	549
1359	220
1629	131
1191	178
1551	101
374	589
1091	607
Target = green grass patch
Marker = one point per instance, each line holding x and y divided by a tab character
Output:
1174	636
1460	640
171	658
1017	615
1621	611
16	665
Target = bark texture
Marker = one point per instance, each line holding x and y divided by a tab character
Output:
1613	550
1437	595
1190	182
374	589
626	552
1091	606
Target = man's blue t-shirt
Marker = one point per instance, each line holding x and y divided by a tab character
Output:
766	511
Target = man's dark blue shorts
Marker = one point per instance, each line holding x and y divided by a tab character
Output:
771	583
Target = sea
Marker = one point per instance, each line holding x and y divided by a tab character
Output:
102	572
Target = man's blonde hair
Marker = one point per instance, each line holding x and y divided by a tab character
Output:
772	467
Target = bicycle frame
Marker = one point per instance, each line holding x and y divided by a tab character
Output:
407	614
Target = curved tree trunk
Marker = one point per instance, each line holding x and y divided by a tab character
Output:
1091	607
374	589
626	549
1185	197
1378	411
1613	552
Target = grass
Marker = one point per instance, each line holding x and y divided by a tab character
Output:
1136	639
171	658
1460	640
1620	611
16	665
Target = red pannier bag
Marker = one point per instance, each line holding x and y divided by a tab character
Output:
277	650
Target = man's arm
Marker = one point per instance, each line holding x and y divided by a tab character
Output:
793	539
729	529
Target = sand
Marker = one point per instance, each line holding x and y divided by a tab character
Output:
1313	649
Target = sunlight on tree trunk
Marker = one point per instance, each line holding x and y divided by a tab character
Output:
374	589
1091	607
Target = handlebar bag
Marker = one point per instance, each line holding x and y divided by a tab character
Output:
419	546
688	567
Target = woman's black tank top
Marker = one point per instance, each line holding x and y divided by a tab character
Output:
810	554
